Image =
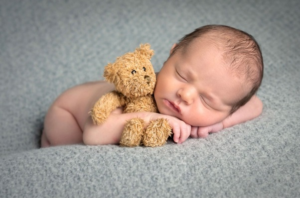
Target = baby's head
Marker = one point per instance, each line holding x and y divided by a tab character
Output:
240	51
228	70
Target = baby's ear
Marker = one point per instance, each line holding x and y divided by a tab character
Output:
172	48
145	50
109	73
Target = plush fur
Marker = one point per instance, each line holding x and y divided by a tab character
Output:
134	78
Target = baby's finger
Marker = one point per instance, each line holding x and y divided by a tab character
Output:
185	133
194	132
203	132
176	134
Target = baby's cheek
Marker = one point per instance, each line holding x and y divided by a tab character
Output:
204	119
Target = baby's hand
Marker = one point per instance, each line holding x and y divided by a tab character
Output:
203	132
181	130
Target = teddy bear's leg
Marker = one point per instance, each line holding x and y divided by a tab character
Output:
157	133
132	133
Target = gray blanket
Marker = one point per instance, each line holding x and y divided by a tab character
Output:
49	46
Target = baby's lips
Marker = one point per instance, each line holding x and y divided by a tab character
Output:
176	107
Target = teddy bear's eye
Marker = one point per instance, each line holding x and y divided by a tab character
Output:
133	71
144	68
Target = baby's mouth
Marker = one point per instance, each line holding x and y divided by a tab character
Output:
174	106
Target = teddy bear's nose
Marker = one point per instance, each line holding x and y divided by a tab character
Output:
147	78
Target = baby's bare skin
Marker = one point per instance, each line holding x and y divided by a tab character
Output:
68	114
195	91
68	122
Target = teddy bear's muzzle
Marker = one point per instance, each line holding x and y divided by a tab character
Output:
147	78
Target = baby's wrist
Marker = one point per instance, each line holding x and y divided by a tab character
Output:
146	116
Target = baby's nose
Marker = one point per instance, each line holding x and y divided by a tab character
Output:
187	95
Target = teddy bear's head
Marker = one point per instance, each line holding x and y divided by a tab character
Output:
133	74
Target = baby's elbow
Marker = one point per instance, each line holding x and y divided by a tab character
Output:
258	106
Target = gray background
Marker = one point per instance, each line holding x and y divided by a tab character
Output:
49	46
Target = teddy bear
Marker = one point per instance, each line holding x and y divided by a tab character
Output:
134	79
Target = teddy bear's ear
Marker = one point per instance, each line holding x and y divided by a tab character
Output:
109	72
145	50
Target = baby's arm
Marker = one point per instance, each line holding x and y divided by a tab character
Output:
110	131
249	111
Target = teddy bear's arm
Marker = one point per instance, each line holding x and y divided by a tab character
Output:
105	105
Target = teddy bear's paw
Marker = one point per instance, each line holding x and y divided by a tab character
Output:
97	117
157	133
132	133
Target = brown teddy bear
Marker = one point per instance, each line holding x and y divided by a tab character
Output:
134	79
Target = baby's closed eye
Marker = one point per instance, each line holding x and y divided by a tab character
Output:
180	76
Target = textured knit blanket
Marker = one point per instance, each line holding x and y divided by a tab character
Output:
47	47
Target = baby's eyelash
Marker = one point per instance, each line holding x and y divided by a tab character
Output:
209	106
204	101
202	98
180	75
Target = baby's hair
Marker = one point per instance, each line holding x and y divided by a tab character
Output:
240	51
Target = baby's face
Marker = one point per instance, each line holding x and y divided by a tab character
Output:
196	86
